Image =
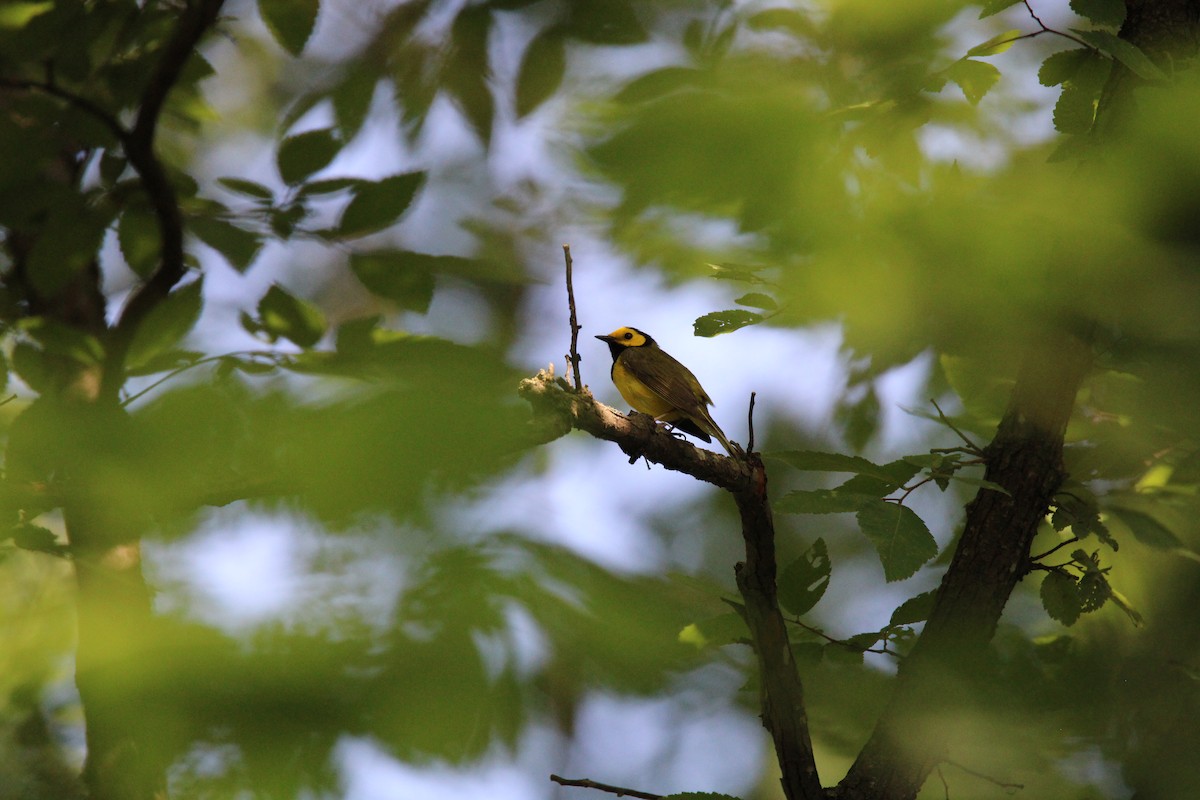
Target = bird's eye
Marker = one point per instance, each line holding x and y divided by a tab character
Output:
628	335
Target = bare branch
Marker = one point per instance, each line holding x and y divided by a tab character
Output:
573	358
619	791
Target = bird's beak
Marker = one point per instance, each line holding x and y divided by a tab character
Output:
604	338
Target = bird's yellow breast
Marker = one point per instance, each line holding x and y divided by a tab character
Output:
637	394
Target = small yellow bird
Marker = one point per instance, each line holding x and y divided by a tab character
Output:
654	383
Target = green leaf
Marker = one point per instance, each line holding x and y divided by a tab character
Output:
1146	529
377	204
65	341
140	241
16	15
1060	597
397	275
166	324
291	22
757	300
305	153
975	78
737	272
823	501
1075	110
247	188
659	82
991	7
281	314
995	45
1124	51
788	20
900	537
893	474
1108	13
67	243
716	631
238	246
328	186
803	582
612	22
29	363
466	71
352	100
541	72
1060	67
914	609
36	538
991	486
719	322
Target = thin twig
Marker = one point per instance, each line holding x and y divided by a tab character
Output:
750	423
1008	787
619	791
82	103
971	446
1054	549
883	651
573	358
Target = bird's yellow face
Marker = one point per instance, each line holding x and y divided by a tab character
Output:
627	337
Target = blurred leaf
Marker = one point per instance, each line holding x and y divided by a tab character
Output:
758	300
860	420
291	22
1146	529
140	241
803	582
716	631
541	72
1109	13
990	7
893	474
36	538
466	71
718	322
788	20
900	537
822	501
284	315
397	275
377	204
15	15
914	609
352	101
67	243
248	188
656	83
305	153
613	22
995	45
63	340
1124	51
1060	597
166	324
975	78
328	186
29	363
238	246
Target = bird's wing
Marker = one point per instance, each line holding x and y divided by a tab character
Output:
641	365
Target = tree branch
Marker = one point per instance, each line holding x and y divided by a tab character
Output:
1025	458
557	409
199	16
619	791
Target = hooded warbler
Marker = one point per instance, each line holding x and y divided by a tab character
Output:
654	383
